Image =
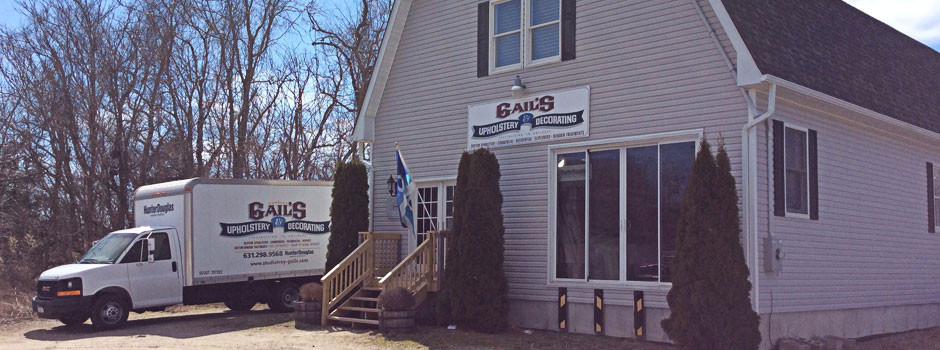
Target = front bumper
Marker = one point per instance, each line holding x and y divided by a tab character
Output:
61	306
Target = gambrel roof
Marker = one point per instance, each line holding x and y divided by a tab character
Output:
826	46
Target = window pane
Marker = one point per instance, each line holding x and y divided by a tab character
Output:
508	16
796	187
545	11
134	255
427	212
449	209
642	225
796	192
604	226
507	50
545	42
570	216
162	243
796	149
675	169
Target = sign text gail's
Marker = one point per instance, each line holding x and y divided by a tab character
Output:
536	118
278	212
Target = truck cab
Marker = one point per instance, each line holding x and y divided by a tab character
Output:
135	269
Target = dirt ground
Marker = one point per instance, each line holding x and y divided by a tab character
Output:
214	327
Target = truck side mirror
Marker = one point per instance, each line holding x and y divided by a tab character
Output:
151	247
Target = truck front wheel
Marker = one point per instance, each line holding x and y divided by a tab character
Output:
108	312
73	320
283	298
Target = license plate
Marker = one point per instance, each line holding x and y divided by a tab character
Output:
40	309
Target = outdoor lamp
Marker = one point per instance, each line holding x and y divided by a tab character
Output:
391	186
518	88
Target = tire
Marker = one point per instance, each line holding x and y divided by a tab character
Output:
240	303
283	297
108	312
73	320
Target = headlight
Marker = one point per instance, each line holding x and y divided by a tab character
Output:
69	287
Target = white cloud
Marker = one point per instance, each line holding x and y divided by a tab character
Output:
920	19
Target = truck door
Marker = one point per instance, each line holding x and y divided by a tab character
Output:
156	283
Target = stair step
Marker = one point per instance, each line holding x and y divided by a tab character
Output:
356	308
354	320
365	299
373	289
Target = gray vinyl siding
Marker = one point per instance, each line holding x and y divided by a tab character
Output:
870	246
651	65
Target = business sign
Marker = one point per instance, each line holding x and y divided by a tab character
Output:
279	211
544	117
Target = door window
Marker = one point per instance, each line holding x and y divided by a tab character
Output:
136	253
161	242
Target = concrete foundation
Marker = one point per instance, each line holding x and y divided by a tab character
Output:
851	323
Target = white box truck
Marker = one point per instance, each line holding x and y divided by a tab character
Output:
197	241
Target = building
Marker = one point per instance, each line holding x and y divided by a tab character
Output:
831	119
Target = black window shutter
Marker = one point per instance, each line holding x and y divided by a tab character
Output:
483	39
568	20
813	178
931	220
779	194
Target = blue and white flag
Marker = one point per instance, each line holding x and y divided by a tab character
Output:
404	189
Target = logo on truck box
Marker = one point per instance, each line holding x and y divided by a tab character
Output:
158	209
279	212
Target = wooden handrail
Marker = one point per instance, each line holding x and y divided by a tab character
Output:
346	276
419	272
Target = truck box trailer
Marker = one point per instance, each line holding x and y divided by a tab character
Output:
197	241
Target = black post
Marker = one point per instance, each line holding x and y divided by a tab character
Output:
599	311
563	309
639	315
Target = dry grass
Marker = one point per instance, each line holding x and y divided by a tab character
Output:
15	305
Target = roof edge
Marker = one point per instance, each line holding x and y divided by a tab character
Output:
800	89
748	72
365	119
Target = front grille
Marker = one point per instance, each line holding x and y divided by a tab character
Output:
46	289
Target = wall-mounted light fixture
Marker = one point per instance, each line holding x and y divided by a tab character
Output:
391	186
518	88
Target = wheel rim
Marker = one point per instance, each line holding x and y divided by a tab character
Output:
289	297
111	313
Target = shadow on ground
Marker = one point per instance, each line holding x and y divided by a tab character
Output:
179	327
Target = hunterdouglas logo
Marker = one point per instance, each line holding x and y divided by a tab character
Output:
158	209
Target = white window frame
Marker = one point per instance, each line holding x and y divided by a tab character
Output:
441	185
525	35
936	197
786	206
623	143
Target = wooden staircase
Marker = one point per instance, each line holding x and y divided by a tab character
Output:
351	289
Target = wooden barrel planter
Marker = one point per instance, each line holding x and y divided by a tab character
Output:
307	312
396	320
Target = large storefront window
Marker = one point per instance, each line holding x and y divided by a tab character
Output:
617	211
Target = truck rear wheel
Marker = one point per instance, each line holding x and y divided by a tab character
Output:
73	320
108	312
283	297
240	303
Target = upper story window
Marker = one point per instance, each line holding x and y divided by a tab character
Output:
524	32
797	170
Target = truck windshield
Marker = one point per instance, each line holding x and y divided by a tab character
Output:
108	249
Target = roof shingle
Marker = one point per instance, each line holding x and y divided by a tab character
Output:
832	47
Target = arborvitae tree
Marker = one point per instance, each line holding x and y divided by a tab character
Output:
478	290
709	299
349	212
447	299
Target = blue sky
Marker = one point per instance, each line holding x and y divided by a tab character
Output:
919	19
